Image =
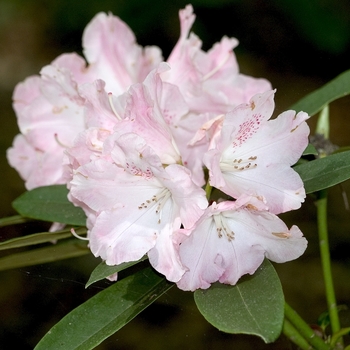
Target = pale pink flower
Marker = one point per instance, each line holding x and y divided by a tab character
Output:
88	146
102	109
38	167
113	54
148	108
232	239
77	67
210	83
138	204
49	108
50	115
253	154
145	109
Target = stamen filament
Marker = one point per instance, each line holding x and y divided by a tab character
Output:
77	236
222	228
59	142
160	199
238	165
217	68
110	97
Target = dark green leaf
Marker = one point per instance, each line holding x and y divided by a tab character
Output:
316	100
105	313
70	248
102	270
49	203
255	305
38	238
325	172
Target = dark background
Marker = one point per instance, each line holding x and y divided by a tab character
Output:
297	45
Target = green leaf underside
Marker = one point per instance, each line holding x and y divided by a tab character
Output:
255	305
102	271
70	248
325	172
316	100
39	238
49	203
105	313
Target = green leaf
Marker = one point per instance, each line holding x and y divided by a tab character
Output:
70	248
49	203
38	238
255	305
325	172
13	220
105	313
316	100
102	270
310	150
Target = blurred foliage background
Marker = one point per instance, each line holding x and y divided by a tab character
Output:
298	45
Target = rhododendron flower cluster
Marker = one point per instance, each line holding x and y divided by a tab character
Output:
141	143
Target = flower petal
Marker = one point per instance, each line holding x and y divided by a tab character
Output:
231	240
254	155
111	49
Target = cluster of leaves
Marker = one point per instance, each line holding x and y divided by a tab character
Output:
255	305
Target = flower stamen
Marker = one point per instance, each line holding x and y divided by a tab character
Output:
59	142
77	236
160	199
238	164
110	99
217	68
222	228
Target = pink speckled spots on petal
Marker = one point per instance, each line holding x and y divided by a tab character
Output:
247	129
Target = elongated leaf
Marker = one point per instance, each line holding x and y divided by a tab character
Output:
49	203
255	305
316	100
69	249
102	271
38	238
13	220
102	315
325	172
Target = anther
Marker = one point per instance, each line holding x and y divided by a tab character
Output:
238	164
281	234
159	199
222	228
